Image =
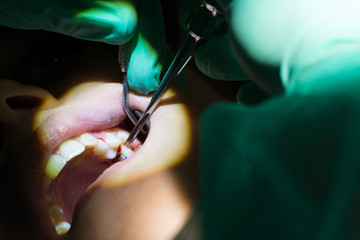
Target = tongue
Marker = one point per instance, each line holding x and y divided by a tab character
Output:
74	178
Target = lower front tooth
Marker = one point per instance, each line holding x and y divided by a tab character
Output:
62	227
53	167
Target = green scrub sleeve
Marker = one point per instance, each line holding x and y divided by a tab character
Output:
285	169
288	167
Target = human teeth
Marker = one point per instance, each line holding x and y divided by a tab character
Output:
62	227
123	136
48	199
56	213
125	153
70	149
45	184
87	140
54	166
101	148
111	140
110	154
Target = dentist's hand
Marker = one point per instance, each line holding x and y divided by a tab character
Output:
215	57
113	22
296	47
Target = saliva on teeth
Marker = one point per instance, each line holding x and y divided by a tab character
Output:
106	147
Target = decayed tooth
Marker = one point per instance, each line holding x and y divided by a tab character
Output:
112	141
101	148
123	136
54	166
125	153
56	213
62	227
70	149
87	140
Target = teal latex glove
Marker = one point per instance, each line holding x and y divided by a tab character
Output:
113	22
222	58
272	38
151	53
215	58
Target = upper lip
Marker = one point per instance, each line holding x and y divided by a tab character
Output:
86	114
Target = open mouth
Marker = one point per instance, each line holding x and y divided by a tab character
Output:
68	173
75	142
74	165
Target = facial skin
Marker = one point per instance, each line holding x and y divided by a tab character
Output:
148	196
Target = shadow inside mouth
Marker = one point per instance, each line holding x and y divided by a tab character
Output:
23	102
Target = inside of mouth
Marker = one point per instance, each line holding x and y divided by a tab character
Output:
75	165
74	179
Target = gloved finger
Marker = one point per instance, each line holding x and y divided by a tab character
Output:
217	59
112	22
151	53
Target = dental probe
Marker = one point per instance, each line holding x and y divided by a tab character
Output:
202	23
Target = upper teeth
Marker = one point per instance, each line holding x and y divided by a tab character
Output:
54	166
105	147
87	140
70	149
112	141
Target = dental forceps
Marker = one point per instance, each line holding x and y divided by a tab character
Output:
202	23
124	58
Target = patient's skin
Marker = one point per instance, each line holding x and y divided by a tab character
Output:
148	196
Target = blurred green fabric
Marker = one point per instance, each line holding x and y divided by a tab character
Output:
286	166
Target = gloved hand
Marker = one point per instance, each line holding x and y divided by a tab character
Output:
222	58
114	22
277	41
215	58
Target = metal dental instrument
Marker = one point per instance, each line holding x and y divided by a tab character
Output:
124	58
201	25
